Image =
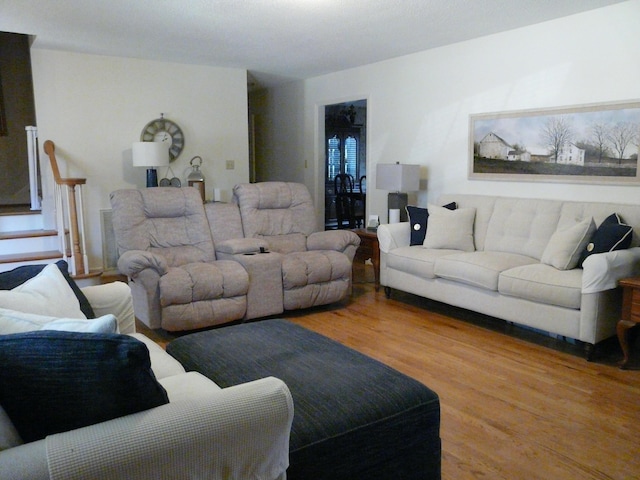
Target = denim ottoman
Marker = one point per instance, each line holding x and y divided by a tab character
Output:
355	418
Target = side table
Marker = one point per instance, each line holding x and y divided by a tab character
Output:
630	314
369	248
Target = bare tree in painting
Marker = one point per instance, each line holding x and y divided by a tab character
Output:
599	139
557	132
621	135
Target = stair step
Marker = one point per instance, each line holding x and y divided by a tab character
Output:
27	234
30	256
21	241
24	221
18	210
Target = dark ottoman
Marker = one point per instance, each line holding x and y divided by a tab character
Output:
355	418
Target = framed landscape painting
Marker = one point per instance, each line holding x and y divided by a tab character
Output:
596	143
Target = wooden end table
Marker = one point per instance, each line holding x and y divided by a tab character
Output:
369	248
630	314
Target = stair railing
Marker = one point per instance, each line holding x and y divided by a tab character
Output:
32	155
76	247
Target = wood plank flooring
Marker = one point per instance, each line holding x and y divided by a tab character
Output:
515	404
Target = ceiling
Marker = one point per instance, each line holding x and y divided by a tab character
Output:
275	40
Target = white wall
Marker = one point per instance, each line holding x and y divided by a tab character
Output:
419	105
94	108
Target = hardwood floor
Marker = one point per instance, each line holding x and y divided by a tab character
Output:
515	404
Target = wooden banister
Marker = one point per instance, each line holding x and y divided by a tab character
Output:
79	264
50	150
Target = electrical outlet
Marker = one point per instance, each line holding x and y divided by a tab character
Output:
231	165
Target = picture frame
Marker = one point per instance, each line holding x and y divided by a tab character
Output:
596	143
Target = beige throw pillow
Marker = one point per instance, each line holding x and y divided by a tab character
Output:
450	228
565	246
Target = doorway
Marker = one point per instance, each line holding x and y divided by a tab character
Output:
17	112
345	156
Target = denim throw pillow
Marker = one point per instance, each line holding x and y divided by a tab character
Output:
53	381
612	234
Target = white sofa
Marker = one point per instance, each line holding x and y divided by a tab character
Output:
204	432
508	275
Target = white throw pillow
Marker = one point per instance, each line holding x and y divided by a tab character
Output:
450	228
565	246
12	321
48	293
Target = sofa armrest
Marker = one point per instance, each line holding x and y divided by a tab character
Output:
25	461
113	298
603	270
394	235
131	263
237	433
338	240
241	246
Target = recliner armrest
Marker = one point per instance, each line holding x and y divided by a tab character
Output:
134	261
241	246
338	240
237	433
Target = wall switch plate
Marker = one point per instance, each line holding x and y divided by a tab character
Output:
231	165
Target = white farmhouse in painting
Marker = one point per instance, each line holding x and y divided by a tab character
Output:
522	156
570	154
493	146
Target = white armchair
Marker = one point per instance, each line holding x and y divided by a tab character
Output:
204	432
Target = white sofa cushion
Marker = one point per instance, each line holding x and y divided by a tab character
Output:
162	364
188	386
452	229
544	284
480	269
522	226
565	246
417	260
113	298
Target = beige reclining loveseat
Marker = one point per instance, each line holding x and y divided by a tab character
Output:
193	266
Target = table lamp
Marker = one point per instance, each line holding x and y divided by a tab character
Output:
398	179
150	155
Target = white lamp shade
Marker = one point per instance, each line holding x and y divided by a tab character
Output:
397	177
150	154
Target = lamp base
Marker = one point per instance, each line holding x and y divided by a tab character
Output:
399	201
152	177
